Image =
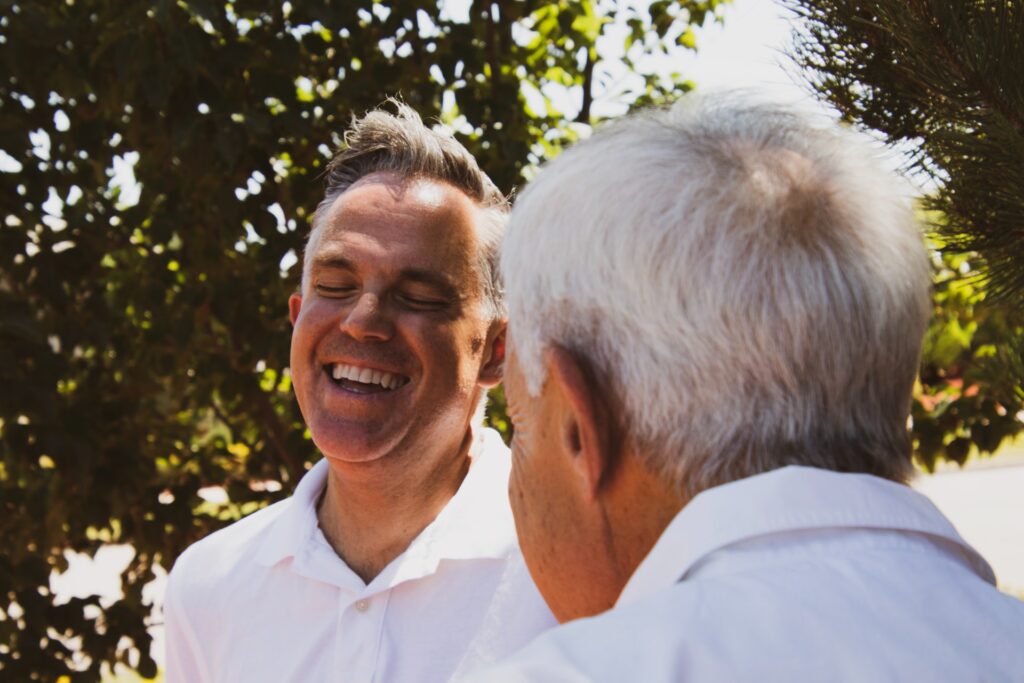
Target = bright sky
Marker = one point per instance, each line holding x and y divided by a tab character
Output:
747	51
750	50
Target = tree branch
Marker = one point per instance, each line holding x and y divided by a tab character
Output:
588	88
278	436
969	76
492	53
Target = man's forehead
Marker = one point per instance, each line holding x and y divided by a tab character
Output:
386	222
419	189
385	201
390	188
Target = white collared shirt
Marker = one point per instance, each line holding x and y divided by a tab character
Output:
798	574
268	599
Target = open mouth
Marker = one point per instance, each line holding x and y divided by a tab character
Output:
364	380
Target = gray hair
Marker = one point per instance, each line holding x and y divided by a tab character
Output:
752	287
402	144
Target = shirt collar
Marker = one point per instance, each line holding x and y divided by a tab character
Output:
476	524
789	499
296	525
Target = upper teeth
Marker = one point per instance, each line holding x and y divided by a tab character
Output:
367	376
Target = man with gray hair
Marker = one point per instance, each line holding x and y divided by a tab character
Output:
396	557
715	318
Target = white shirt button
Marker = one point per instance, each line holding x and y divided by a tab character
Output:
362	605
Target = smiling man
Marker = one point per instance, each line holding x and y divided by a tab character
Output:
396	558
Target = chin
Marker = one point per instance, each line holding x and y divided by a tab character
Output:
352	443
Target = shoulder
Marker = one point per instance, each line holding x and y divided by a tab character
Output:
218	556
601	648
780	626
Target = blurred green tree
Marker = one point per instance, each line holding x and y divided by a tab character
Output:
941	80
159	162
965	403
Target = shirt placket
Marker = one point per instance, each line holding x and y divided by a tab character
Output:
360	628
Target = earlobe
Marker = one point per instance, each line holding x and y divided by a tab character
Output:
585	429
494	362
294	306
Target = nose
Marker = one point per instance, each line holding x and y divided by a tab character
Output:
366	320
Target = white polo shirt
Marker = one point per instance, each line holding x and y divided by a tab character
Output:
268	599
798	574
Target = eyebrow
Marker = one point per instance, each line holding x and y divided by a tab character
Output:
432	278
321	262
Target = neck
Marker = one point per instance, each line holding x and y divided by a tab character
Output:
619	528
638	507
371	512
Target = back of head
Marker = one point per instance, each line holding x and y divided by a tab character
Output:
401	144
752	287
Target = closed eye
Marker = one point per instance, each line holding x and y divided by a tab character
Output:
334	291
421	303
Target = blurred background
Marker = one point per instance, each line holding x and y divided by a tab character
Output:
160	161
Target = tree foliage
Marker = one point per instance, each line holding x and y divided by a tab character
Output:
941	79
964	403
143	322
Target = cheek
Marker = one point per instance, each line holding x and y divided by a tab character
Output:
313	320
524	496
466	338
312	327
437	344
533	496
516	485
541	518
298	352
304	337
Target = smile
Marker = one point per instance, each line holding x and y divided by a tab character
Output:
364	380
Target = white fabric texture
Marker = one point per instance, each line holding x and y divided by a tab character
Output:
268	599
798	574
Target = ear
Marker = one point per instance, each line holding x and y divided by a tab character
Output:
584	427
494	356
294	306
